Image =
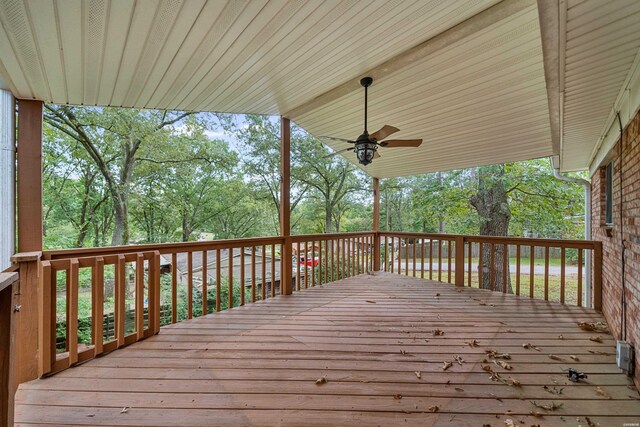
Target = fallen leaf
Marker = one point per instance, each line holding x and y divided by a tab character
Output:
486	368
493	354
594	327
510	330
321	380
574	358
437	332
536	414
531	346
596	339
472	343
604	353
589	422
397	396
509	423
503	364
554	390
125	409
434	408
513	382
458	389
371	302
446	365
458	359
560	337
438	294
91	415
402	351
603	393
547	407
482	303
418	374
554	357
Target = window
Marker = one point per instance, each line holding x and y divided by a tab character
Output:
609	193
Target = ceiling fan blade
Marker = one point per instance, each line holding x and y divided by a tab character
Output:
338	152
383	133
396	143
337	139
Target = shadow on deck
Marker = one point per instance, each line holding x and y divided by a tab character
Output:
372	338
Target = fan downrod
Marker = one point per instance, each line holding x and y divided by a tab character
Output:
366	81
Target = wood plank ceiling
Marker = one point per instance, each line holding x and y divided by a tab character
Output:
467	76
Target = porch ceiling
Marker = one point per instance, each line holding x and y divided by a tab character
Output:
466	76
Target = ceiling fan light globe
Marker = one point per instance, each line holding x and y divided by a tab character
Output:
365	153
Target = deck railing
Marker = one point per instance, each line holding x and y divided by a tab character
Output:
127	293
522	266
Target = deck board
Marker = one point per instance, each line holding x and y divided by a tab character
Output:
368	335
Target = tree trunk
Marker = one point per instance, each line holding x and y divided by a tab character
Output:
492	206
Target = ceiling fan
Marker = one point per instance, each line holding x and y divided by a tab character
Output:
366	145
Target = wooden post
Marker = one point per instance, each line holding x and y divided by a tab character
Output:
286	265
29	176
459	272
376	224
8	293
597	276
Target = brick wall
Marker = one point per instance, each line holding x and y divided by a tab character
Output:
611	237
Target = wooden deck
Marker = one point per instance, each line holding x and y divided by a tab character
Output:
372	339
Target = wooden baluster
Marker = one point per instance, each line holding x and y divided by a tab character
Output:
421	258
218	284
344	256
392	253
205	282
253	274
313	262
140	296
321	268
399	256
331	248
440	260
273	269
406	257
518	269
505	267
386	254
449	260
230	279
48	337
72	311
480	264
306	264
174	288
120	299
298	267
353	258
97	304
263	291
562	274
155	292
546	273
532	255
492	270
242	275
469	266
579	278
190	285
413	249
430	259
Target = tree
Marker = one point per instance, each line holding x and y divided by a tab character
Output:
116	140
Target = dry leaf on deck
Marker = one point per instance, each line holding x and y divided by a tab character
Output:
446	365
472	343
509	423
560	337
554	390
514	382
321	380
125	409
458	389
403	352
437	332
503	364
594	327
510	330
531	346
458	359
547	407
596	338
486	368
418	374
397	396
536	414
438	294
554	357
574	358
589	422
604	353
434	408
371	302
482	303
603	393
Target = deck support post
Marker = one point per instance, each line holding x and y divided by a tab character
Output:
376	224
597	276
286	255
459	267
